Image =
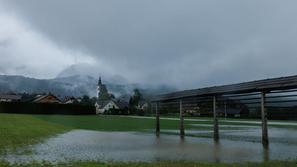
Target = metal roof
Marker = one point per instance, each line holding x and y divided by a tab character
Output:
281	83
12	97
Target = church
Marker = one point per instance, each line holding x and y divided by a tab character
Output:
105	100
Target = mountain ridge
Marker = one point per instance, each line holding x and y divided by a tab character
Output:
75	85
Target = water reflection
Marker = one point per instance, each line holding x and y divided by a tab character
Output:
217	149
266	154
134	146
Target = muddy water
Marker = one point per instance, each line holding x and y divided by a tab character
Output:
134	146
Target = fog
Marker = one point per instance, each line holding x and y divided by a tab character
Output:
187	44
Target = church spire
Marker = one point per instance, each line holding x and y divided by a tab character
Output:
99	81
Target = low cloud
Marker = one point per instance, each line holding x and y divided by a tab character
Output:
26	52
187	44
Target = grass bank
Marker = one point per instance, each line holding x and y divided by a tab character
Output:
19	130
160	164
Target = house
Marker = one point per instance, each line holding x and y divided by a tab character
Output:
104	106
122	104
49	98
70	100
10	98
232	112
143	105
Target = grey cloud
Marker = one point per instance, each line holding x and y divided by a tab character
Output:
185	43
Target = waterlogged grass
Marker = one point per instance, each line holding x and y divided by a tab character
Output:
19	130
158	164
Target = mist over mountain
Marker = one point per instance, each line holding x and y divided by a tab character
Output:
75	85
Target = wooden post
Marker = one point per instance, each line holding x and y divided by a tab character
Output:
157	120
215	121
181	117
225	106
265	141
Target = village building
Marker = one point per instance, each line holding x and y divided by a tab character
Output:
70	100
143	105
10	98
106	101
104	106
49	98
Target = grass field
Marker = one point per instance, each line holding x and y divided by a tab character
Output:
19	130
113	123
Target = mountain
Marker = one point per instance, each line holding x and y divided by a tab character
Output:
76	85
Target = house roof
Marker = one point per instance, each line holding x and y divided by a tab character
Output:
39	98
103	103
12	97
120	104
69	98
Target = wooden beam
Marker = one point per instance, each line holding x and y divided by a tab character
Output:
181	117
265	141
215	121
157	120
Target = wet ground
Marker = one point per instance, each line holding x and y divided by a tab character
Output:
136	146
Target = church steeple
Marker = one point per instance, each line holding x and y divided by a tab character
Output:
99	81
102	92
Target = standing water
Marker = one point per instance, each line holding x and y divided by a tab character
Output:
136	146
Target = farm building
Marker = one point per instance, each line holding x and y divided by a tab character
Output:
49	98
9	98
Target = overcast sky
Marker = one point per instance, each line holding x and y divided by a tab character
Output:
184	43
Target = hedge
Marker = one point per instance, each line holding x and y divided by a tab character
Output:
46	108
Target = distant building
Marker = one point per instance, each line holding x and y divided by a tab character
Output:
104	106
232	112
9	98
122	104
70	100
106	101
49	98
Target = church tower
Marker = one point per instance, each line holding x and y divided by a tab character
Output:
102	92
99	85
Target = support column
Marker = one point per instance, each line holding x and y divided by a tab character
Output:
265	141
215	121
225	108
181	117
157	120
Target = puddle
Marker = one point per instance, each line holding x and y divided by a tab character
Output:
146	147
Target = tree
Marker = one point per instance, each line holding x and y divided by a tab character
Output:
134	101
86	100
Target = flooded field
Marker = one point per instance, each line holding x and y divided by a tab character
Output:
137	146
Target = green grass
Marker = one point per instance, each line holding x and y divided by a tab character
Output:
159	164
123	123
107	123
19	130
